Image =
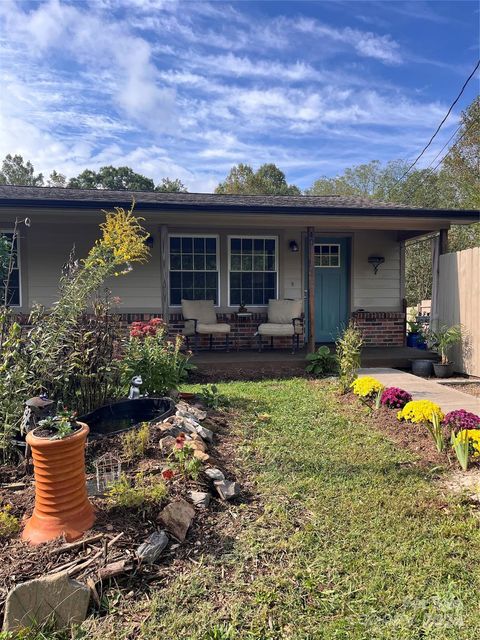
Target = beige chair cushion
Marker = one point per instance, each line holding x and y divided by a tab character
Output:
218	327
201	310
275	329
283	311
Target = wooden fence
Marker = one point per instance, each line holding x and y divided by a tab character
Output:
459	303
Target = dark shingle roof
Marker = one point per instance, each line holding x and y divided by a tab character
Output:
54	197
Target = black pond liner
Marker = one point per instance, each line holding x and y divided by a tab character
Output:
126	414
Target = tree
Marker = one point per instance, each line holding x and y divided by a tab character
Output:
116	178
17	172
168	185
56	180
267	180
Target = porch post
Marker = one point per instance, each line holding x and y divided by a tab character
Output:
311	287
164	272
439	247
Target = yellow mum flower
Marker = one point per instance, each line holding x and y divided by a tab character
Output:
420	411
366	386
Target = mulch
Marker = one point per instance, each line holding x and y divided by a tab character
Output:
212	531
413	437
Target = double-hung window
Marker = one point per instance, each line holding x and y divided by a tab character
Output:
252	270
193	268
13	294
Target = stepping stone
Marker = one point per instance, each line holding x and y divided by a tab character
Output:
151	549
176	518
57	599
200	499
226	489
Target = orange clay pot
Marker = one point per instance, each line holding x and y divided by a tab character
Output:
61	503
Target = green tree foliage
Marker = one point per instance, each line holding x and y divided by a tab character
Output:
116	178
16	171
56	180
267	180
173	186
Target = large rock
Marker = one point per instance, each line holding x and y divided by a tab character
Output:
57	599
206	434
150	550
227	489
200	499
192	411
176	518
214	474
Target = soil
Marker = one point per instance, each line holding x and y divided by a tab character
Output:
212	530
51	432
472	388
413	437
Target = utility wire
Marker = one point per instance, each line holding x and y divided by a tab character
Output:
439	126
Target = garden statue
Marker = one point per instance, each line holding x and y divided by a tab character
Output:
36	409
135	385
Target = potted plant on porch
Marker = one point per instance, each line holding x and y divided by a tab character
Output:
414	334
441	341
61	502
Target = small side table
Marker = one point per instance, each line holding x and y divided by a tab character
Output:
241	317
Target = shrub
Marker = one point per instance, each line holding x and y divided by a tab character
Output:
9	524
460	419
443	339
395	398
348	348
145	491
419	411
159	361
135	442
321	361
366	387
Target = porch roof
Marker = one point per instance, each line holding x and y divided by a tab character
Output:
332	205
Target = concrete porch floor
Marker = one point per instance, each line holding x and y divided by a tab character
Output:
269	360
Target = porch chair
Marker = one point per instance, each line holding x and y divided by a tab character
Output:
285	318
201	319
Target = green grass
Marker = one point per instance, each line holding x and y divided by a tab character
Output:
353	542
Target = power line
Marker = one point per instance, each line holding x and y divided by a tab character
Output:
439	126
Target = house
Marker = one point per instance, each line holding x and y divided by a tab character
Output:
344	256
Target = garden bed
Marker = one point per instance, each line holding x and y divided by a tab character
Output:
209	533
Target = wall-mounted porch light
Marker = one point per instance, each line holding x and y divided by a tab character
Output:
376	261
293	246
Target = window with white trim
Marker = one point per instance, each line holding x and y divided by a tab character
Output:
327	255
193	270
252	270
13	296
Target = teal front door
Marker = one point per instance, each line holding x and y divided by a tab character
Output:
331	286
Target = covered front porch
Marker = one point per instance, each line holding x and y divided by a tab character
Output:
273	363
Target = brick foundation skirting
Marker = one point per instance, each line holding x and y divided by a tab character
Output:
381	328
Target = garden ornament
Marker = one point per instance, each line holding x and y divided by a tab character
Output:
135	385
36	409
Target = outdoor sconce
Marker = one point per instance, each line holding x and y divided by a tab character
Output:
149	241
376	261
293	246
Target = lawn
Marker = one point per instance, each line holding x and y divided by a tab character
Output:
341	536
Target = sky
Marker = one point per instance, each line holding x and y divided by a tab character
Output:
188	89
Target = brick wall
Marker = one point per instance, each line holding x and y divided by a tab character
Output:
381	328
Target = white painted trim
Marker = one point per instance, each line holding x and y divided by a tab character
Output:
19	268
257	237
340	255
195	235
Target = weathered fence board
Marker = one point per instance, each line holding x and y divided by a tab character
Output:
459	303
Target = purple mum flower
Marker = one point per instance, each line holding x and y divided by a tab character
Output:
460	419
395	398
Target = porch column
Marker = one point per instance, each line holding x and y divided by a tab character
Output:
311	287
164	272
439	247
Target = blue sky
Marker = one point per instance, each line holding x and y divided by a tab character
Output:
187	89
